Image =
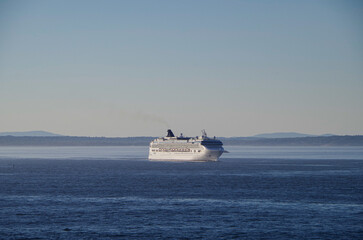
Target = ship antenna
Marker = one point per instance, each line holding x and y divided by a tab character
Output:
204	133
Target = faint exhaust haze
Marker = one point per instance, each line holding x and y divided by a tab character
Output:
145	118
150	118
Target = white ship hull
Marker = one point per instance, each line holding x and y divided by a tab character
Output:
204	155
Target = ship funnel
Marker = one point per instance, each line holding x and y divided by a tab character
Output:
170	133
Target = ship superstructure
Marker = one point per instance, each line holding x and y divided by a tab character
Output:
182	148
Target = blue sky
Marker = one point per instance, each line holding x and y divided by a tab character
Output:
135	68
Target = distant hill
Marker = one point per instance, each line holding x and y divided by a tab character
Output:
285	135
30	134
73	141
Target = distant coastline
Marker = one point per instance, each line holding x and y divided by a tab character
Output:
144	141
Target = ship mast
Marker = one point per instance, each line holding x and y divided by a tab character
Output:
204	133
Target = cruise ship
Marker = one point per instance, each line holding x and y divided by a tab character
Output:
182	148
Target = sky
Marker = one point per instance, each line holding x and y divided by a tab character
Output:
137	68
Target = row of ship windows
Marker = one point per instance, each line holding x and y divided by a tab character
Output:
174	150
175	146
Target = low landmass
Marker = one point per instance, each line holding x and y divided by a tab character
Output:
286	135
73	141
30	134
144	141
297	141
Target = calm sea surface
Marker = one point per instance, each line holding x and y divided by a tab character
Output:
115	193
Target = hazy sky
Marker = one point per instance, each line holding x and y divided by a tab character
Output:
135	68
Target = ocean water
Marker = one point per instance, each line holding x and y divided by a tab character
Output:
115	193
